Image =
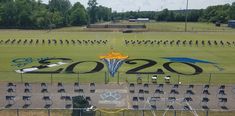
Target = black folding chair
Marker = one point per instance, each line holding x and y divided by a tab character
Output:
191	86
43	85
205	92
132	88
175	86
189	92
11	85
222	87
27	90
141	94
92	87
11	90
222	103
48	101
27	85
174	91
206	87
60	88
27	101
146	88
10	100
204	103
153	102
76	87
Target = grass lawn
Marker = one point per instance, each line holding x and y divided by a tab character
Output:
223	56
180	27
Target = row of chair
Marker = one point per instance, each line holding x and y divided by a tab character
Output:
10	99
54	41
180	42
11	88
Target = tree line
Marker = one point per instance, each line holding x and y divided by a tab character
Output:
221	13
33	14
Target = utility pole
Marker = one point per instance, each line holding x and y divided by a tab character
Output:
186	17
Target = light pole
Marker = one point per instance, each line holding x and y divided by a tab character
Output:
186	17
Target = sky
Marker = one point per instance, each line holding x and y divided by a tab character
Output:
153	5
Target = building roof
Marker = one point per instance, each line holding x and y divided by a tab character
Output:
231	21
145	19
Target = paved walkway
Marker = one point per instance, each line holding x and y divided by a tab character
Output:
124	96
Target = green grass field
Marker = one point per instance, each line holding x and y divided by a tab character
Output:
223	56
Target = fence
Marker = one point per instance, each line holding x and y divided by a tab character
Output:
99	112
121	77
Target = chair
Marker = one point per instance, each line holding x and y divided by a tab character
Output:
146	85
155	98
92	84
60	88
171	98
131	85
189	92
27	85
146	88
204	103
222	87
48	101
80	91
11	85
43	85
159	91
132	88
205	92
191	86
222	103
221	92
76	84
76	87
206	87
141	94
175	86
141	91
92	87
135	99
174	91
44	90
160	86
154	79
27	101
11	90
171	107
88	98
60	84
188	99
27	90
135	107
10	100
152	103
186	107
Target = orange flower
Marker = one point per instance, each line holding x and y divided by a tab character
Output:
114	55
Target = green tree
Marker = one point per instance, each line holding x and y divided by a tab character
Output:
24	13
8	14
103	13
92	9
232	11
61	6
78	15
40	16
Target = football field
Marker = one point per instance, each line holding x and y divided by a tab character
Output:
74	55
214	48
